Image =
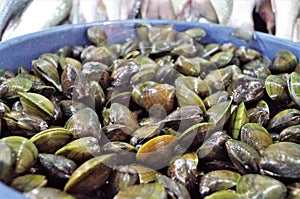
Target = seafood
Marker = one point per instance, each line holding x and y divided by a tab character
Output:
120	121
8	9
50	14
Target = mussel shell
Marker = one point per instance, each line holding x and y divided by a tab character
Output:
150	93
224	194
276	87
219	79
294	91
222	58
96	35
157	152
7	162
91	175
84	122
243	156
214	147
151	190
284	61
28	182
48	141
80	150
196	134
219	113
195	84
215	98
260	113
26	153
247	89
47	192
290	134
259	186
284	119
120	114
174	189
46	67
282	159
146	174
217	180
144	133
183	169
37	104
57	166
10	87
256	136
187	97
238	118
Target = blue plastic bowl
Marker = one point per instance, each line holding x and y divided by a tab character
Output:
21	50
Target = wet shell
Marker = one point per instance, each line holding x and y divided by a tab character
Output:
157	152
90	175
26	153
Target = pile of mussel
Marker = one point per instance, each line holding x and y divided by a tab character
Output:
160	116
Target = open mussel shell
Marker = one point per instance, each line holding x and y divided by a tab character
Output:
46	67
37	104
26	153
151	190
157	152
91	175
282	160
49	140
10	87
28	182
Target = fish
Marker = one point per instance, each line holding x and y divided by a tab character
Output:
157	9
296	31
286	13
86	11
241	19
38	15
121	9
9	8
264	10
223	9
194	10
